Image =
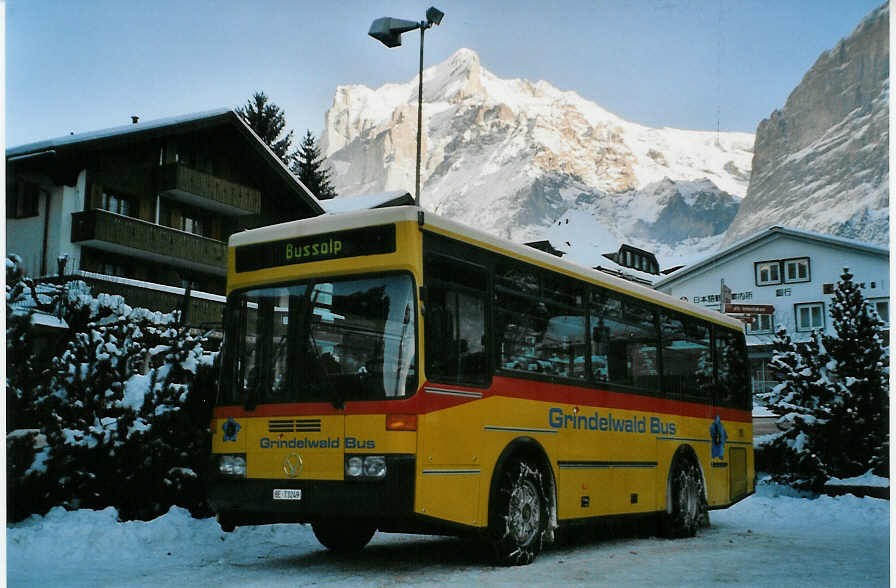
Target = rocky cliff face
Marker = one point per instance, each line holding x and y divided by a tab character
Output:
821	162
513	156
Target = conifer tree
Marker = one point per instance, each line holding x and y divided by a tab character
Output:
862	376
268	121
833	399
309	166
804	405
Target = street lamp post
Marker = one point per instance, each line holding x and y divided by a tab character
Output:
388	31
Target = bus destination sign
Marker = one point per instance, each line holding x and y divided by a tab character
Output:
338	245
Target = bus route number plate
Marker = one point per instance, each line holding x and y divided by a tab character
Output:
287	494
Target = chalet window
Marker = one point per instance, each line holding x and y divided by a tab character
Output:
762	323
768	272
796	270
116	269
809	316
118	204
23	199
194	224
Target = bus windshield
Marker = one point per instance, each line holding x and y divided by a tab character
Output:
330	341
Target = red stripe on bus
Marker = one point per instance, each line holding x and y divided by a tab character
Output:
425	402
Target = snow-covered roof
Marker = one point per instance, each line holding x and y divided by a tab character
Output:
119	131
48	321
366	201
160	126
614	269
768	234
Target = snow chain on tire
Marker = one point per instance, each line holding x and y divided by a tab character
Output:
687	508
521	514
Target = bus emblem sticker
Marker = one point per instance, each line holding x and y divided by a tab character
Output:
719	436
292	465
230	429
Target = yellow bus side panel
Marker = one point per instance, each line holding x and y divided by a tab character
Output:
597	472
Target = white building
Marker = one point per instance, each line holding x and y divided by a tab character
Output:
791	272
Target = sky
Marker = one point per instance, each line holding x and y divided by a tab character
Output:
77	66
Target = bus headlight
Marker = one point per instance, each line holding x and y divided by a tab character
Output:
365	466
354	466
375	466
233	466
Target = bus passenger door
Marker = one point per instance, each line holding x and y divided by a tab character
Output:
730	440
451	468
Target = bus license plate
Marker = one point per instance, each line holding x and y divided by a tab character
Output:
287	494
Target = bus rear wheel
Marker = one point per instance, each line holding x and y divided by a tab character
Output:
520	515
687	500
343	536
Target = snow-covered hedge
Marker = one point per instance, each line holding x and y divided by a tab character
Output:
109	407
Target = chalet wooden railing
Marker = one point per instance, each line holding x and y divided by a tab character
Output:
176	177
116	232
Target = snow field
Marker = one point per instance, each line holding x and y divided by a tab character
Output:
773	538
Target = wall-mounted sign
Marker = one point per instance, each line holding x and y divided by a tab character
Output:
749	309
716	298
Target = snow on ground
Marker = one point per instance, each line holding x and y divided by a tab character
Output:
772	538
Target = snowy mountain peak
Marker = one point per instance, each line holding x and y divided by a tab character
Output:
511	155
454	79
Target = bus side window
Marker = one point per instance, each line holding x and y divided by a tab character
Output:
625	331
455	322
687	358
732	369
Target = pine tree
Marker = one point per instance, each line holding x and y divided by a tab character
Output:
862	374
833	397
268	121
310	168
803	401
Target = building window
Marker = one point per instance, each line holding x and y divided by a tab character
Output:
118	204
768	272
23	199
116	269
194	224
882	306
809	316
762	323
796	270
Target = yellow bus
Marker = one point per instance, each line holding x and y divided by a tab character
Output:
393	370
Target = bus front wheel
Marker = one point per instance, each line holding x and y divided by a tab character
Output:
687	502
343	536
521	514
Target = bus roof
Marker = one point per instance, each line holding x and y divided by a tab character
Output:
447	227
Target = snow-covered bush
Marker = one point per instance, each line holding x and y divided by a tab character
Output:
107	413
833	398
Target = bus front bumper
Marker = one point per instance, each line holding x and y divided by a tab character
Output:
250	501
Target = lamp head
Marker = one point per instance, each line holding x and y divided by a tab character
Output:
434	15
388	30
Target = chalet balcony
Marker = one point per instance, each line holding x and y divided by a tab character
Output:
203	190
107	231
